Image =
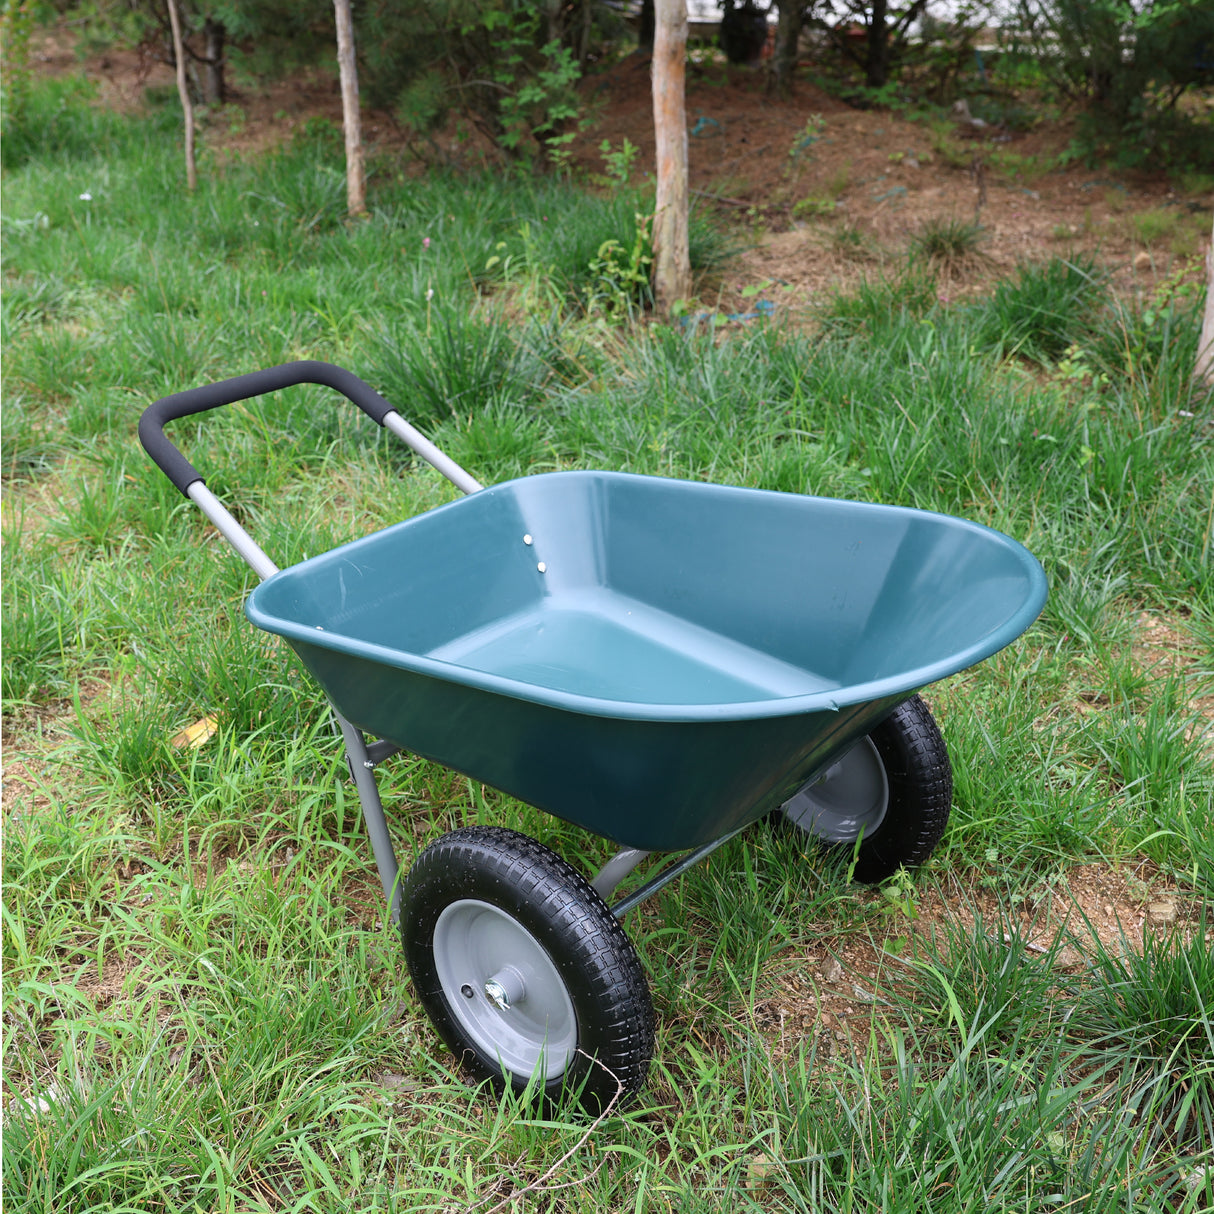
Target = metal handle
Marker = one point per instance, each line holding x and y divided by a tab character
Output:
189	480
183	474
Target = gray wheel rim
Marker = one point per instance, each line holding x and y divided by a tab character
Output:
848	800
480	951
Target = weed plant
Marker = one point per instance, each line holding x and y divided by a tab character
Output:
948	244
204	1008
1046	309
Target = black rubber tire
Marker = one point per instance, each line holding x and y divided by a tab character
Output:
551	900
920	780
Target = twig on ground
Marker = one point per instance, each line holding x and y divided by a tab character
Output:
540	1183
738	202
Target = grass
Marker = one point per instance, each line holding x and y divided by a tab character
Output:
203	1007
1155	1006
1044	310
848	241
948	244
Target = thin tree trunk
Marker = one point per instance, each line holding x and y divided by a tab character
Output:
878	45
788	39
214	36
645	29
672	262
183	91
556	27
587	27
356	178
1203	372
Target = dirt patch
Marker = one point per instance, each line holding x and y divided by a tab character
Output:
798	169
832	989
1160	650
32	777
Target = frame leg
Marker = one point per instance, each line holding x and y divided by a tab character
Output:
616	869
362	768
674	871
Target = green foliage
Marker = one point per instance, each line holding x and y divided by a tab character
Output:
812	208
1151	338
619	276
423	103
887	43
1132	60
801	148
619	161
493	63
540	101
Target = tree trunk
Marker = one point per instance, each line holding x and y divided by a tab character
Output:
876	68
587	28
215	35
645	29
356	178
672	262
788	39
1203	372
183	91
556	24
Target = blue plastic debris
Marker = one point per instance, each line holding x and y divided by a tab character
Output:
764	307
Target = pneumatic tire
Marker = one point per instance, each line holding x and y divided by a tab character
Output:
891	793
523	969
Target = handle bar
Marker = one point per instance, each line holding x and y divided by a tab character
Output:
188	479
183	474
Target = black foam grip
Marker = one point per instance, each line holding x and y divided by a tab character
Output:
180	471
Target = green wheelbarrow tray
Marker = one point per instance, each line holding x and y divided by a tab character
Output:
658	661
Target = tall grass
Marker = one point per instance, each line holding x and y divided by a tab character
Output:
204	1008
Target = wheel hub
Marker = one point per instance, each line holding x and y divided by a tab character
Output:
506	987
847	801
519	1012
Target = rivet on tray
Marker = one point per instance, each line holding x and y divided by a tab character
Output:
527	539
542	567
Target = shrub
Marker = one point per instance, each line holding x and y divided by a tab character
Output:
1132	60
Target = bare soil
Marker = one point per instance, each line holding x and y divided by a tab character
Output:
887	177
831	990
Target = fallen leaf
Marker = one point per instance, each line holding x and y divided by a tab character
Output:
193	736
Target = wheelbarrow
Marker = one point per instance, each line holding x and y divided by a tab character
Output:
661	662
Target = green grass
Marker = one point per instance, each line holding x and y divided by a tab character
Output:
199	986
1046	309
949	244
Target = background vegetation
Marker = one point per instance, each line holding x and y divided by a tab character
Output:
509	68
